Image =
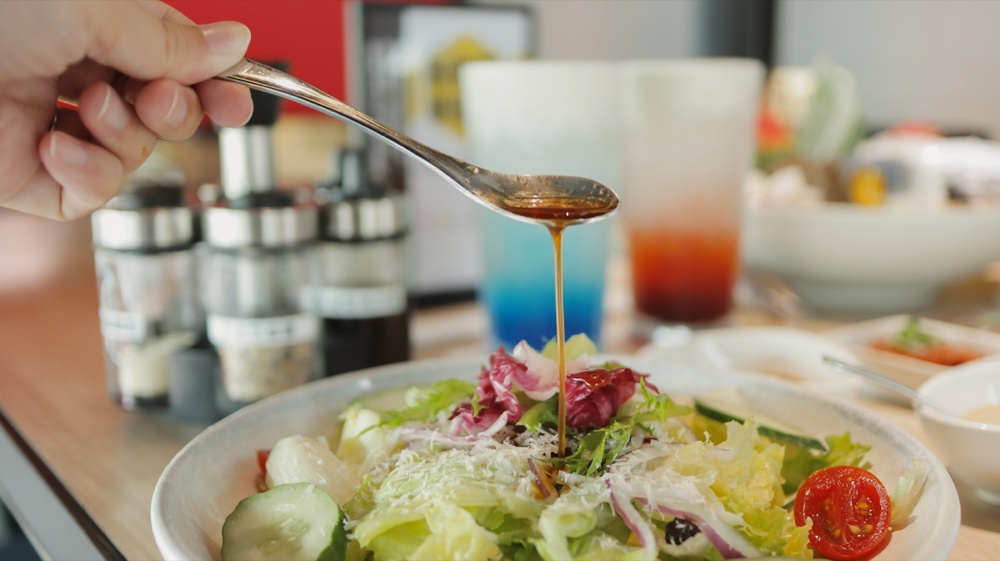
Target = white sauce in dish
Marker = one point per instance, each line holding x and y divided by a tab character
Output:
989	415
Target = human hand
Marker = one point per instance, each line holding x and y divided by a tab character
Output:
136	71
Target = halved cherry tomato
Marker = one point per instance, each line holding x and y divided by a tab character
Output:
262	456
849	508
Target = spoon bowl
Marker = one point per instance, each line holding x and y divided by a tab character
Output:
550	200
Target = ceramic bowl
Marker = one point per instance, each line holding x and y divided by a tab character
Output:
970	450
909	371
783	352
217	469
885	259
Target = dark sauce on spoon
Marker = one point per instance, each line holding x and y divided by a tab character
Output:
558	213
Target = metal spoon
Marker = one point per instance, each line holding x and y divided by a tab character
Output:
880	380
497	191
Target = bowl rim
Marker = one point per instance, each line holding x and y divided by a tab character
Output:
946	532
965	370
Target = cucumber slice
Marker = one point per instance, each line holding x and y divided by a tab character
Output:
295	522
774	429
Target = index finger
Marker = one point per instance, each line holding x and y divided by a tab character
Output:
129	37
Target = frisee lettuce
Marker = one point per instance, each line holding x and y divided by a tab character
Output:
424	405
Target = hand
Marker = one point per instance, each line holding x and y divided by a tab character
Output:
135	70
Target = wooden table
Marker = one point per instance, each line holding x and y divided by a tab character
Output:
99	464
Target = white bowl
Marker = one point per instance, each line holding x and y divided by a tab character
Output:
783	352
205	481
970	450
887	259
909	371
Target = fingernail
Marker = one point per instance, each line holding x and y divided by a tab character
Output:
67	150
226	36
113	112
178	109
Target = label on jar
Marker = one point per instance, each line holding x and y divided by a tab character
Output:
224	331
123	326
359	303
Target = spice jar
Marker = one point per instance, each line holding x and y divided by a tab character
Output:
146	275
259	268
362	296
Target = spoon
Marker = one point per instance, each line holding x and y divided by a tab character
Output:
880	380
585	200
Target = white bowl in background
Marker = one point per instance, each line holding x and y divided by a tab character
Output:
970	450
890	259
784	352
909	371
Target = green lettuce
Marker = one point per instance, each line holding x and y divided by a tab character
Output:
424	405
575	346
908	488
542	413
454	534
800	463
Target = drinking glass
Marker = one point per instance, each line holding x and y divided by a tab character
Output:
542	117
688	142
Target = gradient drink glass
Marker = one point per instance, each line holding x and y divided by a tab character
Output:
542	117
688	144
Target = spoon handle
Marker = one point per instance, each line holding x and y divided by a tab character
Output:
264	78
887	384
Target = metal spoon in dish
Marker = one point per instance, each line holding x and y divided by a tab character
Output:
880	380
585	200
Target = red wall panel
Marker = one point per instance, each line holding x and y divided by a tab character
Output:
307	33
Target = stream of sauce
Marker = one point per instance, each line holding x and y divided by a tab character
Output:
559	213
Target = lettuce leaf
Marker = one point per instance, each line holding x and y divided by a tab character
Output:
542	413
908	488
800	463
657	407
424	405
454	534
591	456
576	346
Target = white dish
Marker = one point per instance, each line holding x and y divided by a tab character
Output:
971	450
909	371
783	352
848	257
206	479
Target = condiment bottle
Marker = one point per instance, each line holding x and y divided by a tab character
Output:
146	274
259	262
362	297
259	271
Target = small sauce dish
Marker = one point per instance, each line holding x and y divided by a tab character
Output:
970	450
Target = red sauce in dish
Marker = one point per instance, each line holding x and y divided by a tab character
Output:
944	354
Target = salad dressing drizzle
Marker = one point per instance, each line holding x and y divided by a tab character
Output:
558	213
557	233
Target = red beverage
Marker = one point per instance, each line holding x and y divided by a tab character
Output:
684	275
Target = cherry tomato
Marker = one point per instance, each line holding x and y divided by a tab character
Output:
262	456
849	508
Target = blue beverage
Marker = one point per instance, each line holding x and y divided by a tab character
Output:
518	287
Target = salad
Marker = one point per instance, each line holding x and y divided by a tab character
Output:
472	471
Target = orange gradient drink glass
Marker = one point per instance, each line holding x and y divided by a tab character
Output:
688	144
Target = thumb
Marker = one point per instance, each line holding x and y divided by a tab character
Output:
129	38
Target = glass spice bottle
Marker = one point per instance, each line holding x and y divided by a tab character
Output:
146	275
259	265
362	296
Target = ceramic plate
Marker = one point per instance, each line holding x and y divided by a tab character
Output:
217	469
911	372
783	352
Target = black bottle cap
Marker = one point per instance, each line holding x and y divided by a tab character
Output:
266	107
153	196
262	200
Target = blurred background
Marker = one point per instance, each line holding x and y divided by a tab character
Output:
859	136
